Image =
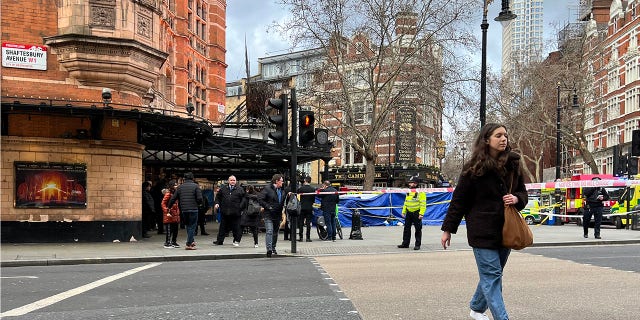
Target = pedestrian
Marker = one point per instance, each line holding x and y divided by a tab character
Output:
413	209
231	200
490	180
251	214
593	197
190	196
202	211
148	209
306	208
156	191
171	217
328	203
272	201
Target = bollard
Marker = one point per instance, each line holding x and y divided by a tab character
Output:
356	226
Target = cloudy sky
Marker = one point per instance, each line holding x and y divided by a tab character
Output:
251	19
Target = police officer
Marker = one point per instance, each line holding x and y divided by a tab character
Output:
412	211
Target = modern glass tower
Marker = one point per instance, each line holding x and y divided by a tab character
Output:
522	38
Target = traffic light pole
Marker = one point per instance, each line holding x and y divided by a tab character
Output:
293	219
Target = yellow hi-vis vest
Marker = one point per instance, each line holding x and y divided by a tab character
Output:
414	203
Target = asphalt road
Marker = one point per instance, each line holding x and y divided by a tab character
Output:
569	283
288	288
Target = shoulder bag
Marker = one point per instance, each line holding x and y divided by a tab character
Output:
515	231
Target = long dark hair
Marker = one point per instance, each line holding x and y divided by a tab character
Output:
481	161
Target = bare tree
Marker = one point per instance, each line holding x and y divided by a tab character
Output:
382	56
528	103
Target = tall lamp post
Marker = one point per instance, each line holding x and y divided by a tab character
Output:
505	15
574	105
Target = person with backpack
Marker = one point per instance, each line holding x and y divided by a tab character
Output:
306	208
251	214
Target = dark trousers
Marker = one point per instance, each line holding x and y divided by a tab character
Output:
227	223
201	222
254	232
597	218
305	218
171	231
412	219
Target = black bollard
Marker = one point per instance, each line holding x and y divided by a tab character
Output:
356	226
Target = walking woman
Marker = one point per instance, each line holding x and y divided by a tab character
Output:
490	180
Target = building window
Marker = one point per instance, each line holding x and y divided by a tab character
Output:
362	111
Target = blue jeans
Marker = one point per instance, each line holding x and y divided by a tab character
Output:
488	293
330	223
272	228
192	224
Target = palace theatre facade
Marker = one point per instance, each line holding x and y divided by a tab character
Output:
78	78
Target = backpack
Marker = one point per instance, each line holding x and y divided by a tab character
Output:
253	207
293	205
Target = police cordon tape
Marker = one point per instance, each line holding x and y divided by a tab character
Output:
548	185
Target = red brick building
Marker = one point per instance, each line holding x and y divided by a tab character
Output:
153	56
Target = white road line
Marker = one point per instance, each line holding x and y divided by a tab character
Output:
73	292
20	277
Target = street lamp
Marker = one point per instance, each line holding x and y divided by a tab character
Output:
574	105
505	15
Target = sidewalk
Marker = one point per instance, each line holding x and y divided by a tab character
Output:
376	240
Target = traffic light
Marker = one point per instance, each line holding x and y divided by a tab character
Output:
305	128
619	162
632	165
280	119
635	143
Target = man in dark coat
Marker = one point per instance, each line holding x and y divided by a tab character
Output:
231	200
189	196
306	208
328	204
272	200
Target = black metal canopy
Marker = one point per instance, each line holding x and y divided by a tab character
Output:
178	141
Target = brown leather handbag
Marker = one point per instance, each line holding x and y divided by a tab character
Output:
515	231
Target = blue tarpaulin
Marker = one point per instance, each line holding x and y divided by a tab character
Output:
386	208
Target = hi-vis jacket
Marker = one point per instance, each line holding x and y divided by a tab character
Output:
415	201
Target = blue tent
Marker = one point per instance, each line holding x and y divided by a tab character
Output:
386	208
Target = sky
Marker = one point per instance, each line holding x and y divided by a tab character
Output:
251	19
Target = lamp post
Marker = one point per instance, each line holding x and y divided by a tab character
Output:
558	108
505	15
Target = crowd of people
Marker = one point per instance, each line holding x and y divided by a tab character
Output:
169	205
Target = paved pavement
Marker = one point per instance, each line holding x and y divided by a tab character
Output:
383	239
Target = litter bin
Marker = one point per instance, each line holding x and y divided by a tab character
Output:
552	220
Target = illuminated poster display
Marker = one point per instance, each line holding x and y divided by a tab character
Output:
50	185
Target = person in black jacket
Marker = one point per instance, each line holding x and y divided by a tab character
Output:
231	200
272	201
306	208
148	209
593	197
189	196
328	204
490	180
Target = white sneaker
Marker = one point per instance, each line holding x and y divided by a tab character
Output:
255	245
478	315
236	244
